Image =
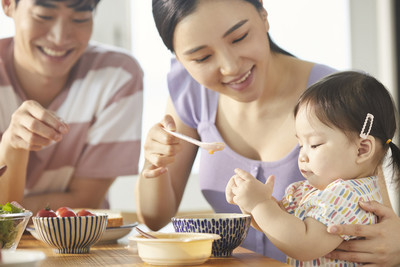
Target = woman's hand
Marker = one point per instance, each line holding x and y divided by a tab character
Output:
381	246
160	148
32	127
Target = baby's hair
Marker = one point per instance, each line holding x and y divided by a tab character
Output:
343	100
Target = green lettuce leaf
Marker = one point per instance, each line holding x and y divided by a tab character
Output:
8	226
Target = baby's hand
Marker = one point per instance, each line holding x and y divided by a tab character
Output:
247	192
228	190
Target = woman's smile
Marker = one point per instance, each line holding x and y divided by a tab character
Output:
242	82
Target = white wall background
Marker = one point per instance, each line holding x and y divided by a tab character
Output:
341	33
6	25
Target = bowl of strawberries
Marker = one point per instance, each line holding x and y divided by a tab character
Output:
68	231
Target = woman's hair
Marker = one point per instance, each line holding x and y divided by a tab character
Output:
80	5
343	100
168	13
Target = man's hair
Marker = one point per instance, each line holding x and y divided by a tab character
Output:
79	5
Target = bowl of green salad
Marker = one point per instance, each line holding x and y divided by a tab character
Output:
13	221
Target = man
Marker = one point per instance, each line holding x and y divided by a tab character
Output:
70	110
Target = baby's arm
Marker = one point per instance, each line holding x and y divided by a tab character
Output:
302	240
296	238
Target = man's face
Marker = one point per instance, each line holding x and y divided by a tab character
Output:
50	37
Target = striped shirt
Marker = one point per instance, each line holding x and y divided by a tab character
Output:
102	104
337	204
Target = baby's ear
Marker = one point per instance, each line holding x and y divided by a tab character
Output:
366	149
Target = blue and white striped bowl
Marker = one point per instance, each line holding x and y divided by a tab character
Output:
73	235
232	227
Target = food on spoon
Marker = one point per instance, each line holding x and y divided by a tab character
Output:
217	146
211	147
46	212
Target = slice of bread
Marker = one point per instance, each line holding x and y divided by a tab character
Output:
115	221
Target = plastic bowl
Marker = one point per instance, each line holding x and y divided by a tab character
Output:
175	248
232	227
12	226
72	235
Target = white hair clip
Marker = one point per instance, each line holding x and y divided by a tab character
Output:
369	118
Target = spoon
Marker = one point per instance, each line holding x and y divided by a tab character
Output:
144	234
211	147
3	169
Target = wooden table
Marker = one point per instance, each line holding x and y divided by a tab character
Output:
119	254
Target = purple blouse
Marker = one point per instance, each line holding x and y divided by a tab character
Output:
197	107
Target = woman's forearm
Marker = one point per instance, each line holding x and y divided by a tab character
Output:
156	200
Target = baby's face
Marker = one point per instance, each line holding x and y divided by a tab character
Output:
326	154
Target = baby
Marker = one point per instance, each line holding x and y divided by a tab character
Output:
344	125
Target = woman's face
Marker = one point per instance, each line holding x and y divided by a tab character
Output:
51	37
224	46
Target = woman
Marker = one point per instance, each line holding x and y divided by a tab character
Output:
253	86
